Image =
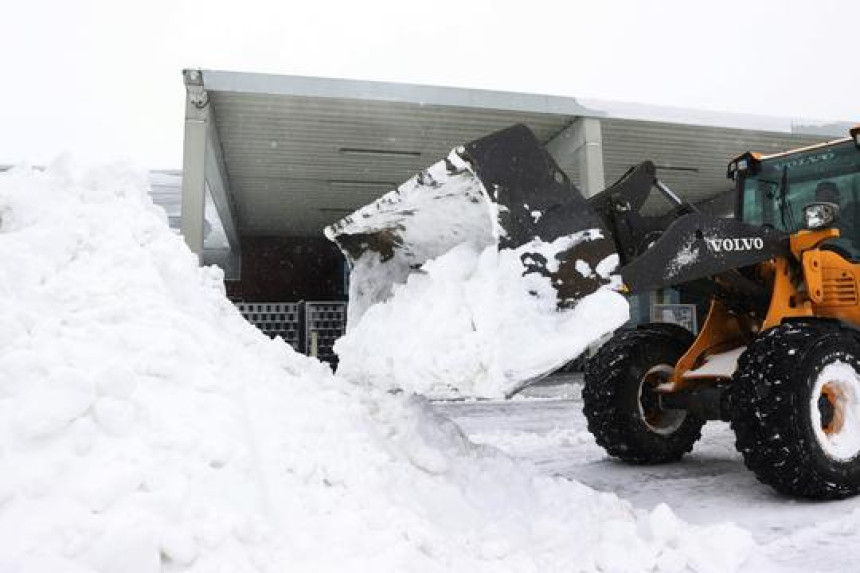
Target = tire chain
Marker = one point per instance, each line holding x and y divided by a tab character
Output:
766	418
613	361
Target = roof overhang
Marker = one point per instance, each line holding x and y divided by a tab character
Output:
297	153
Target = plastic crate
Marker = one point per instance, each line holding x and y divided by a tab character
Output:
275	319
328	321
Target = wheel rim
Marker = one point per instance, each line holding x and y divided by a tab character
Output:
652	414
835	408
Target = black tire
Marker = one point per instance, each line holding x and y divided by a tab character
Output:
786	440
628	426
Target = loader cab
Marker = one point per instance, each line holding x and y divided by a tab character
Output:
773	190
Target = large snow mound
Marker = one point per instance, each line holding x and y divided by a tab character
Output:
473	323
145	427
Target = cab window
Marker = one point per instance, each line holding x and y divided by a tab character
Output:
776	195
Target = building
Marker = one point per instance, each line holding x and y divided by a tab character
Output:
270	160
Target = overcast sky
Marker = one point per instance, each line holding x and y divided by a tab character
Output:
101	79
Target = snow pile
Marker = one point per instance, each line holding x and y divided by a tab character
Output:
145	427
472	324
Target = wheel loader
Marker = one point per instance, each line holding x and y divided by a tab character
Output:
778	355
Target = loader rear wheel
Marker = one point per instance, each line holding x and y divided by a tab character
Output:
624	414
796	409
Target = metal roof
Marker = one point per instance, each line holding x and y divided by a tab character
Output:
692	160
309	161
301	152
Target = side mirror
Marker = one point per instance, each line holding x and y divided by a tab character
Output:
820	215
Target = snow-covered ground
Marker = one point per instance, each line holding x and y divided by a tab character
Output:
546	426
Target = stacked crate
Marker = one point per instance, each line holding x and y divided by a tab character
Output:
325	322
275	319
309	327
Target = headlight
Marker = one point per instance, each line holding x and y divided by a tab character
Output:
820	215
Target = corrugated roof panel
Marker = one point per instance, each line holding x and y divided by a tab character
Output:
318	88
282	153
690	160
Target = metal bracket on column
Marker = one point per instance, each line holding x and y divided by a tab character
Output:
197	95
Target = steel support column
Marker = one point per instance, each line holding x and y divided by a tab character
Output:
204	172
194	178
579	149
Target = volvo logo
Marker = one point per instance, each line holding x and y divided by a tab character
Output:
740	244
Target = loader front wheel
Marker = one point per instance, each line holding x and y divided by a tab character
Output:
796	409
624	413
